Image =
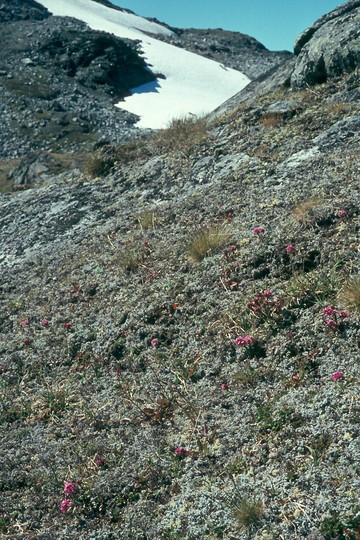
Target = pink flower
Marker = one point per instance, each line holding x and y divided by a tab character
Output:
329	311
243	340
154	342
289	248
230	249
343	314
26	341
99	461
25	322
337	376
330	323
258	230
69	488
224	386
181	451
65	505
67	325
44	322
267	293
342	213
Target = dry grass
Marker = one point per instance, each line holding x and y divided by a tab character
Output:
349	294
208	241
129	259
99	166
247	512
272	119
148	219
302	213
183	134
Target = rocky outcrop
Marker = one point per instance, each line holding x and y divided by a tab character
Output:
330	47
20	10
95	58
59	82
326	50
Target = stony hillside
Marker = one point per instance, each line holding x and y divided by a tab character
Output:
179	324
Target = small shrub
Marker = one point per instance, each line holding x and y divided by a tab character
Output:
248	376
183	134
99	166
349	294
333	528
303	212
272	119
208	241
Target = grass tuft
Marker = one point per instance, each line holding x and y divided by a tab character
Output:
183	134
302	213
208	241
349	294
247	512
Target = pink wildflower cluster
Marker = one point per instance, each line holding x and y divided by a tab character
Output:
182	452
334	317
70	489
258	230
342	213
290	249
337	376
154	342
243	340
264	305
230	274
229	250
65	505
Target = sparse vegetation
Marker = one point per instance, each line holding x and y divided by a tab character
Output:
303	212
349	294
183	134
247	511
99	166
208	241
144	396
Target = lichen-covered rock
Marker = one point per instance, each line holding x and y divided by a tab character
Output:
329	48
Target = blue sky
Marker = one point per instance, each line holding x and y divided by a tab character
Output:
275	23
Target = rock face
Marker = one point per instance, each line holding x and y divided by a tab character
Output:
326	50
330	47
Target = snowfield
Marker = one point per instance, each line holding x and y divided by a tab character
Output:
192	84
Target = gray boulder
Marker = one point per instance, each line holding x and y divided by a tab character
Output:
328	48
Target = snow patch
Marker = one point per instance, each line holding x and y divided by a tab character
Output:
192	84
